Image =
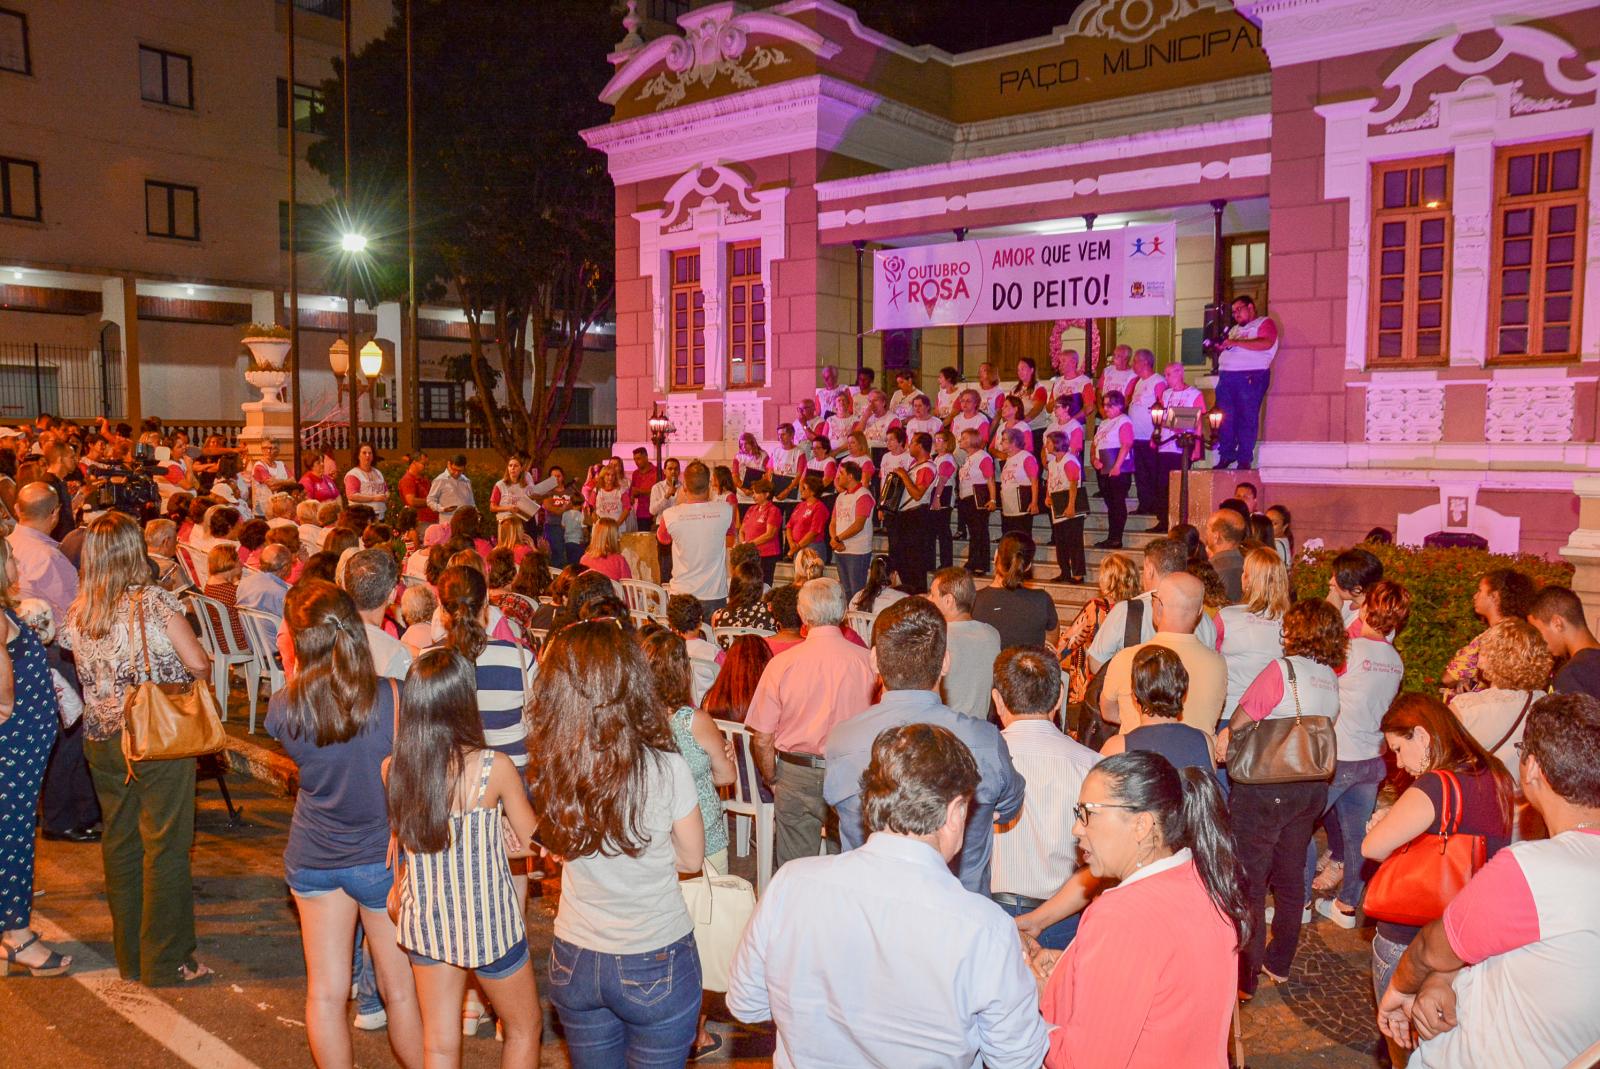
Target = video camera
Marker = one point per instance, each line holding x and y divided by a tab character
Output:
1219	320
131	490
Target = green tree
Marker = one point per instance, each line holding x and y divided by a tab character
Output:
514	211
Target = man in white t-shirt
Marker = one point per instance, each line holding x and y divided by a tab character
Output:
370	576
697	530
973	644
1510	975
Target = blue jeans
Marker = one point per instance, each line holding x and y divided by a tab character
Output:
1351	798
634	1010
1239	397
1386	954
367	884
852	572
368	998
1055	937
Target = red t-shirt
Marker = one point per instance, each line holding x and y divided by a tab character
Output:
808	518
758	518
416	486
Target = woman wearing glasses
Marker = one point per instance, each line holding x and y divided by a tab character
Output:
1147	980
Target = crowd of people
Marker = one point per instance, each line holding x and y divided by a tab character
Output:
1092	815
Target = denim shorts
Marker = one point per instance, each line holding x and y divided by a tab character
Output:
514	959
367	884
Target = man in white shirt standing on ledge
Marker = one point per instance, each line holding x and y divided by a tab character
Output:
1244	368
697	530
914	969
1035	854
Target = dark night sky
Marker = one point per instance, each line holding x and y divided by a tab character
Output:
963	25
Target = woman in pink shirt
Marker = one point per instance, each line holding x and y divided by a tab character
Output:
762	527
808	523
604	554
1148	982
319	478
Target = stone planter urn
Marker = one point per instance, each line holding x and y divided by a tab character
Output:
269	380
268	352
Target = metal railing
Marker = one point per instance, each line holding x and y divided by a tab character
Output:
64	380
336	436
586	436
199	431
464	436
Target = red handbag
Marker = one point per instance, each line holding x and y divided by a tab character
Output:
1416	882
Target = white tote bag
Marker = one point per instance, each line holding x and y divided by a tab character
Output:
721	907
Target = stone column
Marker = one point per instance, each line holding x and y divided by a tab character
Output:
1582	550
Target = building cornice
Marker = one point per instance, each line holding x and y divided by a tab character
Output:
1217	135
1304	31
817	112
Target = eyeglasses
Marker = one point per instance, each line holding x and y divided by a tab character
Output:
1081	811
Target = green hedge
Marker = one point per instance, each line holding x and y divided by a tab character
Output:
1442	583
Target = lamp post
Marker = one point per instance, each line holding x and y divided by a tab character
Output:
1186	431
354	245
660	426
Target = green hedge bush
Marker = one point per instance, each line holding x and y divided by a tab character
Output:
1441	582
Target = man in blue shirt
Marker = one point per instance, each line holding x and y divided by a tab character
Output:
909	655
265	588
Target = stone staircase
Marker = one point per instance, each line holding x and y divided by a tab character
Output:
1069	597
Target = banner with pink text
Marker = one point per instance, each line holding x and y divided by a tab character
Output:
1098	274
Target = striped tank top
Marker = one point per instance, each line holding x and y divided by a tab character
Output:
458	905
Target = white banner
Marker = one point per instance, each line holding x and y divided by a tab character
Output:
1098	274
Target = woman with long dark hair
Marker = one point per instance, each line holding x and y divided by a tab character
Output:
1147	979
504	669
1502	594
729	697
336	721
879	593
1431	748
1273	823
449	793
615	798
746	607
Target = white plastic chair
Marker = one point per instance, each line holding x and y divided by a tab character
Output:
726	635
746	806
645	596
216	634
261	628
861	623
193	562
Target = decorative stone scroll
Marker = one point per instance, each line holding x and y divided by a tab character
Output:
1405	414
1529	413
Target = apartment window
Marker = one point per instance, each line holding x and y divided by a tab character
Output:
19	189
14	54
166	77
747	316
171	211
309	235
688	312
1540	196
308	105
1410	307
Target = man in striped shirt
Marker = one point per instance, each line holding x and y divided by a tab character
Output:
1035	854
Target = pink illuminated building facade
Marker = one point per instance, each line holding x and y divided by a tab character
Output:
1411	191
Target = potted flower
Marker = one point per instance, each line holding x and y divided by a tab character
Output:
268	344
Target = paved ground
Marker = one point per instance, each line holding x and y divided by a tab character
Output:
252	1014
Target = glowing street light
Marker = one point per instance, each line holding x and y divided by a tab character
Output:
371	360
353	243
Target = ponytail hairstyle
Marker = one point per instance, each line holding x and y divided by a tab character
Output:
1013	558
877	581
463	592
334	688
440	728
1189	809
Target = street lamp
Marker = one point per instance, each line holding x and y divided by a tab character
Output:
660	426
371	360
353	243
1186	429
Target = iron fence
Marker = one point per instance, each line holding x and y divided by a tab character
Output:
63	380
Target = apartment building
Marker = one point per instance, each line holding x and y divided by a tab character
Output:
143	213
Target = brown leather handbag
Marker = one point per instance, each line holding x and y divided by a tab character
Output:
167	721
1281	750
1416	882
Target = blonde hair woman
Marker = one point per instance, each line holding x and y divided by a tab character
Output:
123	628
604	554
1250	634
512	534
1119	580
807	566
1515	663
